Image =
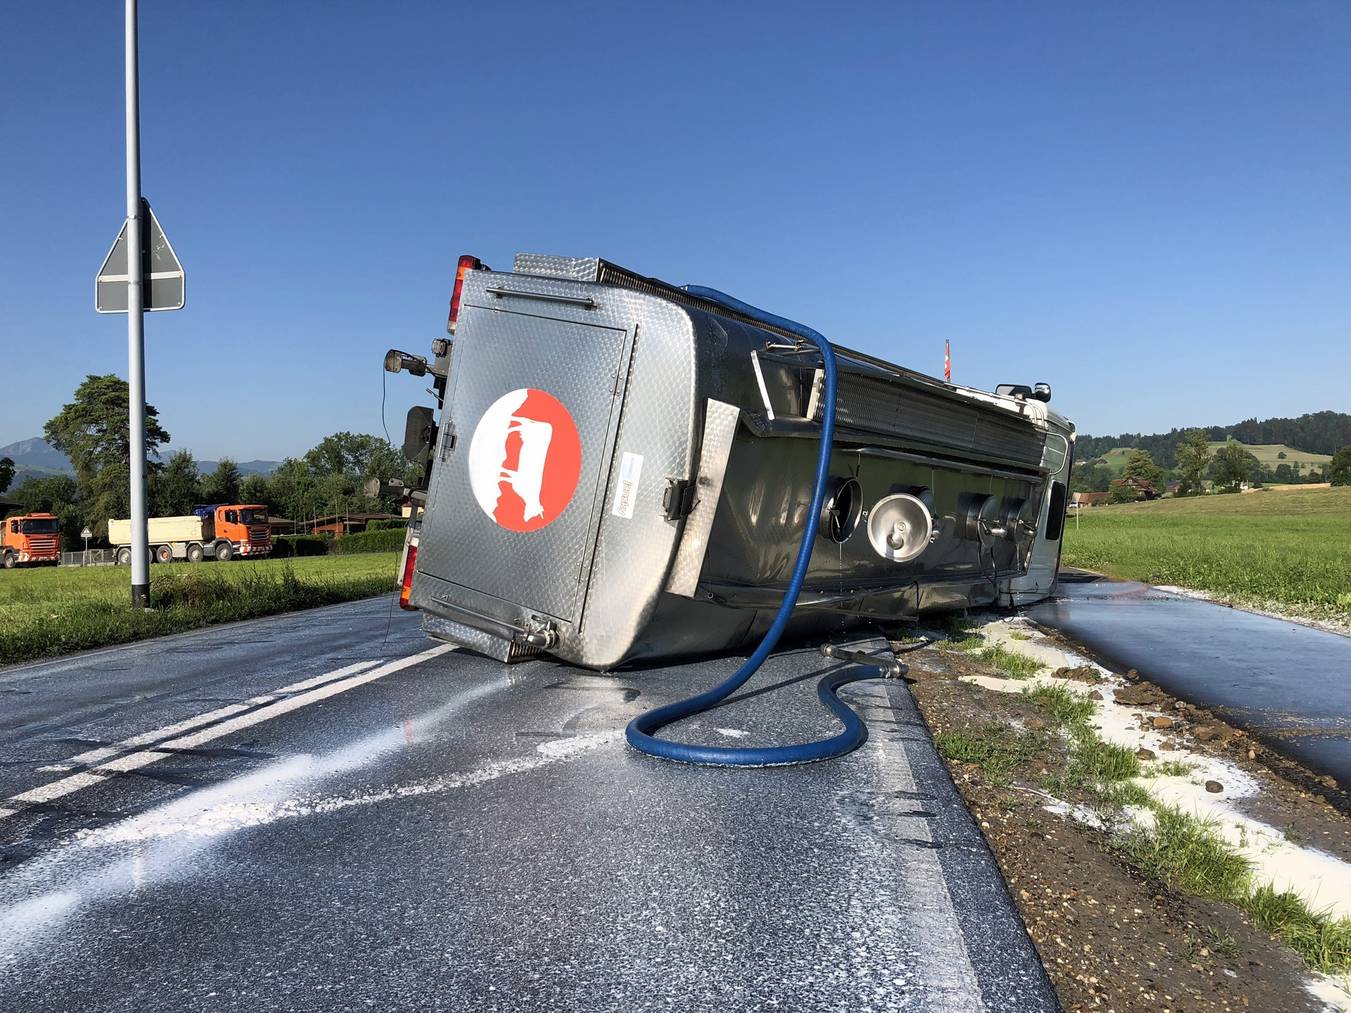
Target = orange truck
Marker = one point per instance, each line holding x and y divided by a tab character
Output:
30	540
221	531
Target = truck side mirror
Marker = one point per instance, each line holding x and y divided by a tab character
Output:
1042	392
419	434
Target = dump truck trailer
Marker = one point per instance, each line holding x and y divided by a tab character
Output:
621	470
220	531
30	540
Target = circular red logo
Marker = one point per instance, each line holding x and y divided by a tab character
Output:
524	459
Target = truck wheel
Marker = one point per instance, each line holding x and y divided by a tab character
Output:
11	561
195	553
225	552
124	556
164	554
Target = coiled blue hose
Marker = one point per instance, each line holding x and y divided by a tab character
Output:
640	731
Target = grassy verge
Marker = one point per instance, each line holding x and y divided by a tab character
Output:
1285	551
56	611
1167	845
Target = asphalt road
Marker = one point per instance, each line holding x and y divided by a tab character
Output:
306	812
1287	683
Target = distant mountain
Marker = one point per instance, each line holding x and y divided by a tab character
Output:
1316	433
36	454
36	458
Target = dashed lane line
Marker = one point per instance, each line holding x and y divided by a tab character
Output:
143	757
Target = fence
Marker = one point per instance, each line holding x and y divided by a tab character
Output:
94	557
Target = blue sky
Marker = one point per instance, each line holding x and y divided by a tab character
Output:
1147	205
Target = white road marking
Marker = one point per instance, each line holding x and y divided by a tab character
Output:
93	756
143	758
945	965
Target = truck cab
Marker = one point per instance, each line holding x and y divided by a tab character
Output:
30	540
244	526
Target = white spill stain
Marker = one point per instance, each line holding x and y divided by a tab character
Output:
732	733
165	840
1323	881
228	817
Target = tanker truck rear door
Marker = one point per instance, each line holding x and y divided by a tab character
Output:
522	458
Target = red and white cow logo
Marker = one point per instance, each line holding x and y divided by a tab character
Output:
524	459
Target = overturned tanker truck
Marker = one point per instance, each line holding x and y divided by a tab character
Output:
622	469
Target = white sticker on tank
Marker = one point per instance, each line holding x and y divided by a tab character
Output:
630	470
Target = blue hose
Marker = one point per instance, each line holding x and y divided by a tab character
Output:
640	730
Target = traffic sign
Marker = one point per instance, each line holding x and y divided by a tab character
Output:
164	285
86	534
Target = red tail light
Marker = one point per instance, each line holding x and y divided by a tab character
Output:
406	582
466	264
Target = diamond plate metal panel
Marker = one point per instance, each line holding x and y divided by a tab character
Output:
571	268
499	351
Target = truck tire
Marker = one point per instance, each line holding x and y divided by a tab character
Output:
163	554
124	556
224	551
11	561
195	553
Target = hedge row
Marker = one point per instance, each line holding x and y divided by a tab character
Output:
397	522
386	540
286	546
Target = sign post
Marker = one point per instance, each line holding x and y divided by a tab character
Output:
140	536
140	273
86	534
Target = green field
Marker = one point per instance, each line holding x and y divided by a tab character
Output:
56	610
1287	550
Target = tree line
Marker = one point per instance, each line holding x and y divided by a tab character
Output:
1314	433
1227	468
92	432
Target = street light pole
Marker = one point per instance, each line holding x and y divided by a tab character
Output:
140	540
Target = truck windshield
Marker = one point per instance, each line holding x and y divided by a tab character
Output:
45	527
253	516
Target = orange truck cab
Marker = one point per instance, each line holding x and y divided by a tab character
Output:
31	539
245	527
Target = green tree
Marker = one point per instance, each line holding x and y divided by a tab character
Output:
1339	470
254	489
6	472
92	431
292	489
176	489
1121	492
1140	465
1193	457
222	485
1284	473
1233	466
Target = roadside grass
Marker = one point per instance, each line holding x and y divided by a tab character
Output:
1285	551
1011	663
995	748
1323	942
1170	768
46	612
1165	844
1187	854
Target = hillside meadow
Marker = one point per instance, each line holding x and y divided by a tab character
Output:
1288	550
